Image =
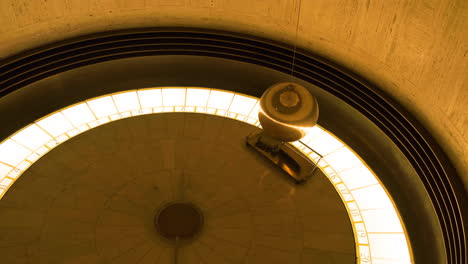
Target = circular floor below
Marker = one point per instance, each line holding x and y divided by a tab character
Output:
94	199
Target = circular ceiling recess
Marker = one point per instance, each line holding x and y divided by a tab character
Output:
442	193
179	221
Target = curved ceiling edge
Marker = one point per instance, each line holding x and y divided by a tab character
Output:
375	220
431	164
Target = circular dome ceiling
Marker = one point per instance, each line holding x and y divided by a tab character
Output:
449	219
93	199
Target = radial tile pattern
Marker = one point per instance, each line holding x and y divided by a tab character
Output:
93	199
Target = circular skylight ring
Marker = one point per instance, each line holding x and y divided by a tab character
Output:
379	233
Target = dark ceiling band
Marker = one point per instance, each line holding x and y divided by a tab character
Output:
431	164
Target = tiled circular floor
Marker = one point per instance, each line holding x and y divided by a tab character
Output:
93	199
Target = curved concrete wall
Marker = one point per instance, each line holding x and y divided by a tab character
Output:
413	50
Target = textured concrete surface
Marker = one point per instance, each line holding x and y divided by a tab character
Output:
416	51
93	199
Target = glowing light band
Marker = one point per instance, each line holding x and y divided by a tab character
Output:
378	230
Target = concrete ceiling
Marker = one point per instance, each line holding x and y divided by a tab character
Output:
93	199
416	51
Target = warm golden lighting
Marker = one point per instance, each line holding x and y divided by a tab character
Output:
378	230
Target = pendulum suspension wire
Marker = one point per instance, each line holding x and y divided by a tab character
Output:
176	251
295	40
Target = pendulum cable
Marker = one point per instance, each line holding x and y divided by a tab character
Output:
295	40
176	250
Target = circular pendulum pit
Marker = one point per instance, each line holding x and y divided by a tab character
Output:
179	222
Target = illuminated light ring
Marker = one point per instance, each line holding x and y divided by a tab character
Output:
378	230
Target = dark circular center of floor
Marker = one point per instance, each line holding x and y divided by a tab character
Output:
179	221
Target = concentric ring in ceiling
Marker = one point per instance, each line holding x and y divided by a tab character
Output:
379	232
